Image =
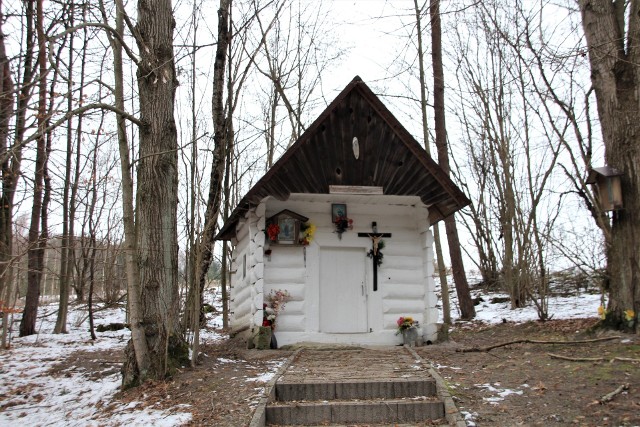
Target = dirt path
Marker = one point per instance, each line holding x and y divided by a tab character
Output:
330	364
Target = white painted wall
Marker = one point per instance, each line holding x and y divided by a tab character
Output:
405	279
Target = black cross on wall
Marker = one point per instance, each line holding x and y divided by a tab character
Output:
375	237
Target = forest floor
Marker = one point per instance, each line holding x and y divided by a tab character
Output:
523	384
517	384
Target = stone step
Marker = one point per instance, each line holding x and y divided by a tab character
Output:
393	388
341	412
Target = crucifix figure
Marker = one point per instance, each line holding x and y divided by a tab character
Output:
375	242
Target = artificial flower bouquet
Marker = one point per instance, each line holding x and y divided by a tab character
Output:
404	323
276	301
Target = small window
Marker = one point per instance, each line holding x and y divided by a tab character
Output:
244	266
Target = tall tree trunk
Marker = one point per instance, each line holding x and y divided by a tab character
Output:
192	309
6	210
204	250
71	248
442	271
92	240
34	264
63	304
133	372
224	282
614	55
157	199
467	310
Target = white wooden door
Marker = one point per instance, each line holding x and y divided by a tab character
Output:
343	298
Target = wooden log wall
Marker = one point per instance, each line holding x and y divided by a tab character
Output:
405	281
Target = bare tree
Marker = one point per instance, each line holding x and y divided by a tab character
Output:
297	49
36	253
504	113
8	183
442	269
467	310
156	206
11	154
72	174
612	33
203	250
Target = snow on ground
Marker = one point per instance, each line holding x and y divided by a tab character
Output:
32	396
498	393
560	307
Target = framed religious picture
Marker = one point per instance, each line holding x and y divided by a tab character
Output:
288	230
284	227
338	210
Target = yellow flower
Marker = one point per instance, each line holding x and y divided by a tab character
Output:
311	230
629	315
602	312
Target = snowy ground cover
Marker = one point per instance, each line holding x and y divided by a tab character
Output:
560	306
32	396
34	393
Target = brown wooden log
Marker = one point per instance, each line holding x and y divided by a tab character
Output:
592	359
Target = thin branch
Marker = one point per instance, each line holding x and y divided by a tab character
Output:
527	341
109	28
592	359
62	120
609	396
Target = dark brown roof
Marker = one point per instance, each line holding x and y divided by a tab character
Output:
389	157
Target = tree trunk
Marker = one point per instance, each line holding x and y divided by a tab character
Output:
6	208
157	200
132	370
442	270
63	305
204	249
614	56
467	309
92	242
34	273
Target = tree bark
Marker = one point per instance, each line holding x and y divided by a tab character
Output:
6	206
204	249
614	55
132	371
35	254
467	309
65	251
157	200
442	270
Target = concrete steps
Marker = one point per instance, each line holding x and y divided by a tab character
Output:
349	401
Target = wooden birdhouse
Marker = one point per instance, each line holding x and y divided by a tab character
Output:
607	183
288	226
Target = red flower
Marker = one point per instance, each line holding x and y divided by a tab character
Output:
272	231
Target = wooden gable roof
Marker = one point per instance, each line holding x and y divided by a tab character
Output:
389	157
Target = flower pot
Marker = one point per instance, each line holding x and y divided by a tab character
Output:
410	336
262	340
